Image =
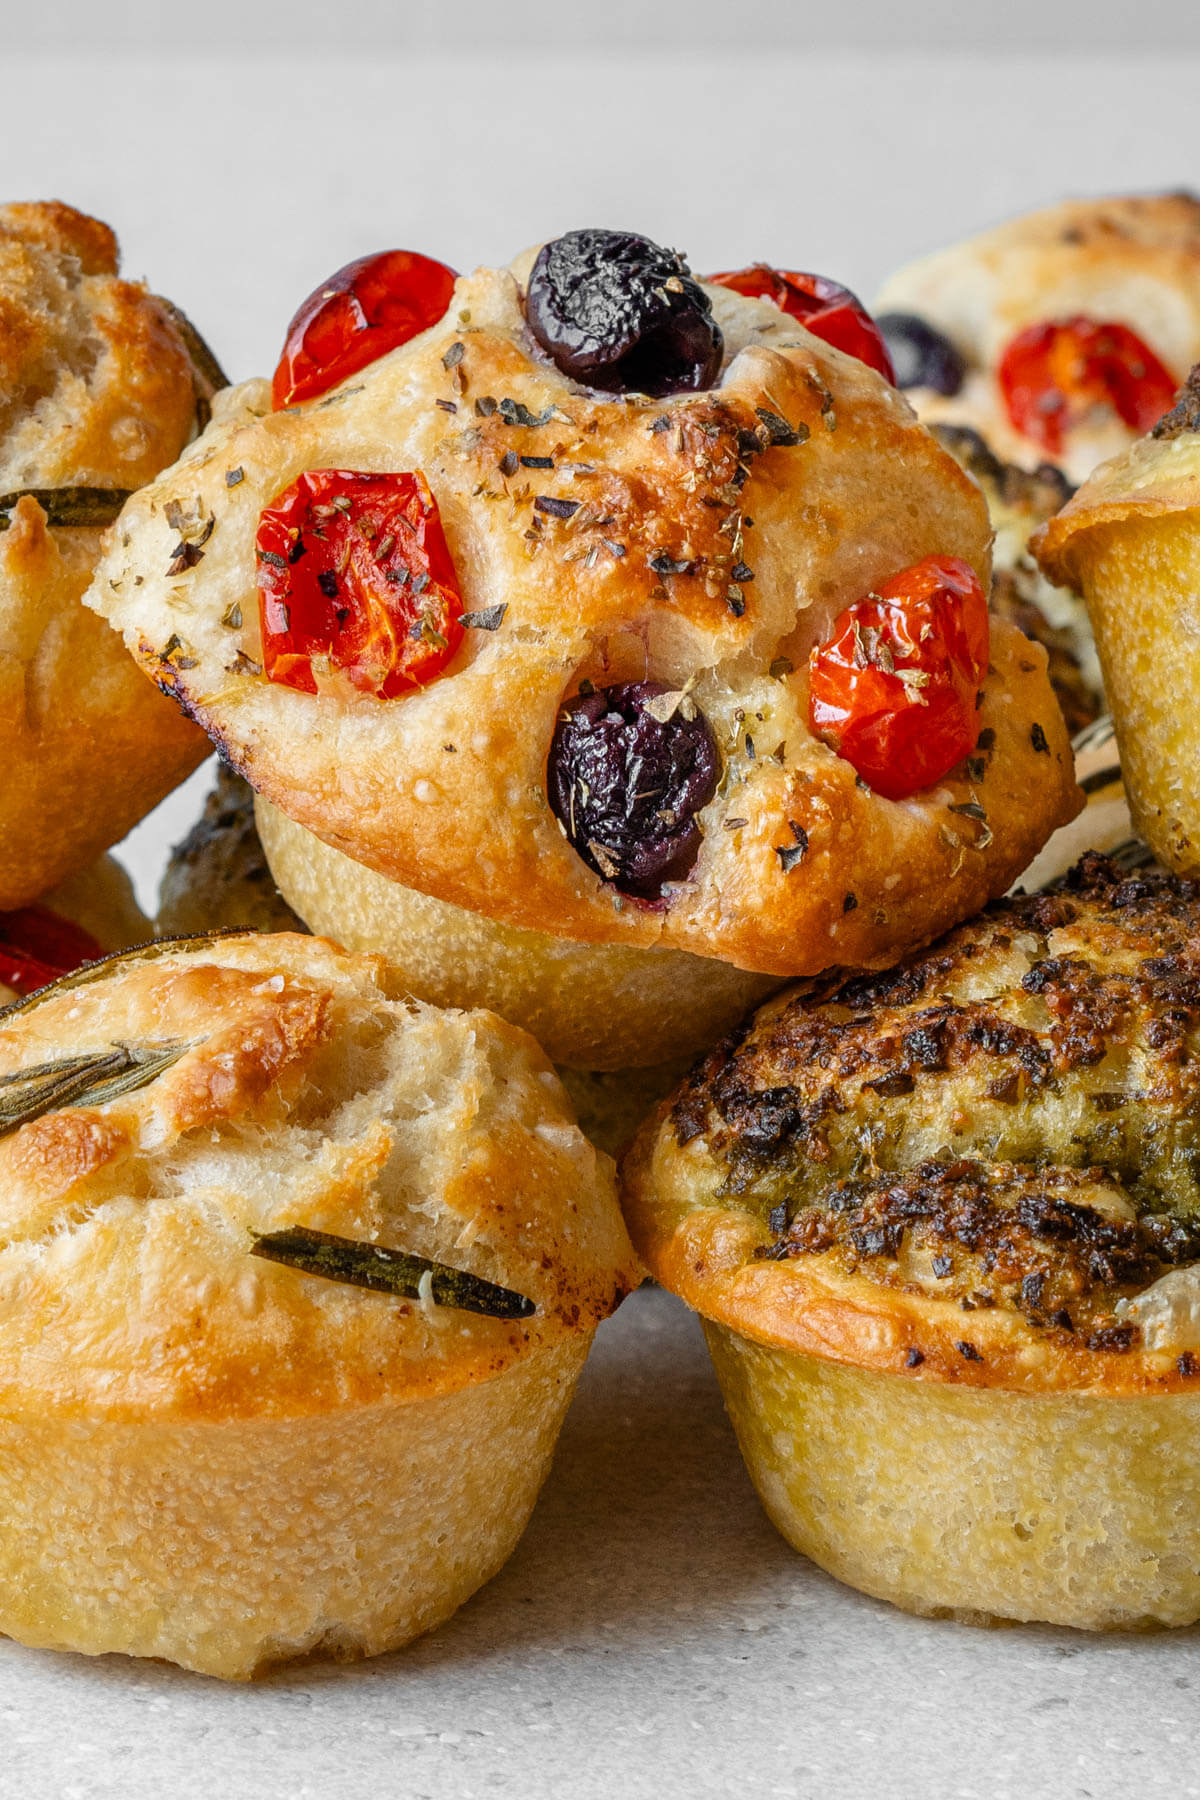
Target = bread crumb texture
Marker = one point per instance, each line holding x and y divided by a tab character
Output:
96	390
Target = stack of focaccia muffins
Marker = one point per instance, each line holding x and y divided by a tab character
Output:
597	651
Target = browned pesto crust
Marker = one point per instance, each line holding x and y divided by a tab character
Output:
1006	1126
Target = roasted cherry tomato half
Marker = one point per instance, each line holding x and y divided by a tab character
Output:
366	309
1052	375
355	580
824	307
895	689
37	946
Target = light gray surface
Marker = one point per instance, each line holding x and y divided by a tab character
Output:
681	26
652	1636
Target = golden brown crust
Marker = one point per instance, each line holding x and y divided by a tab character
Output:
1130	259
1130	541
300	1096
96	386
972	1169
971	1503
445	789
1158	476
96	390
89	745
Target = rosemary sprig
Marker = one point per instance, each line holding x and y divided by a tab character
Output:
69	505
87	1080
388	1271
207	373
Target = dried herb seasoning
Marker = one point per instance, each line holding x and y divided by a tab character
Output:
386	1270
557	509
513	412
781	435
62	506
489	618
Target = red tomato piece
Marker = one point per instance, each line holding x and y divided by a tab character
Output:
895	689
354	578
366	309
1052	375
824	307
37	946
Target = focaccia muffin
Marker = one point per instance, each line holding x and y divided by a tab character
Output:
643	578
1130	543
295	1285
943	1227
1019	501
89	914
217	878
1059	335
98	390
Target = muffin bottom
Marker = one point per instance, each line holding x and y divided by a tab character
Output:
975	1504
230	1544
590	1006
1142	577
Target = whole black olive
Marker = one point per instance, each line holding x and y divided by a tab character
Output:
627	786
620	313
921	356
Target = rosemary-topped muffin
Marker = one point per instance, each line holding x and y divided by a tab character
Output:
101	384
537	637
943	1227
295	1285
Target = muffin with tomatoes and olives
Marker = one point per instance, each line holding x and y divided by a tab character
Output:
1130	543
296	1282
1061	335
101	385
1036	350
608	650
942	1226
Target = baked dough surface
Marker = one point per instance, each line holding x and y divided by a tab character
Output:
1131	259
96	390
1129	541
224	1461
444	790
302	1097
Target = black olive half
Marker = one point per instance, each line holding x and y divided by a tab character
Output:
921	356
622	314
627	786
